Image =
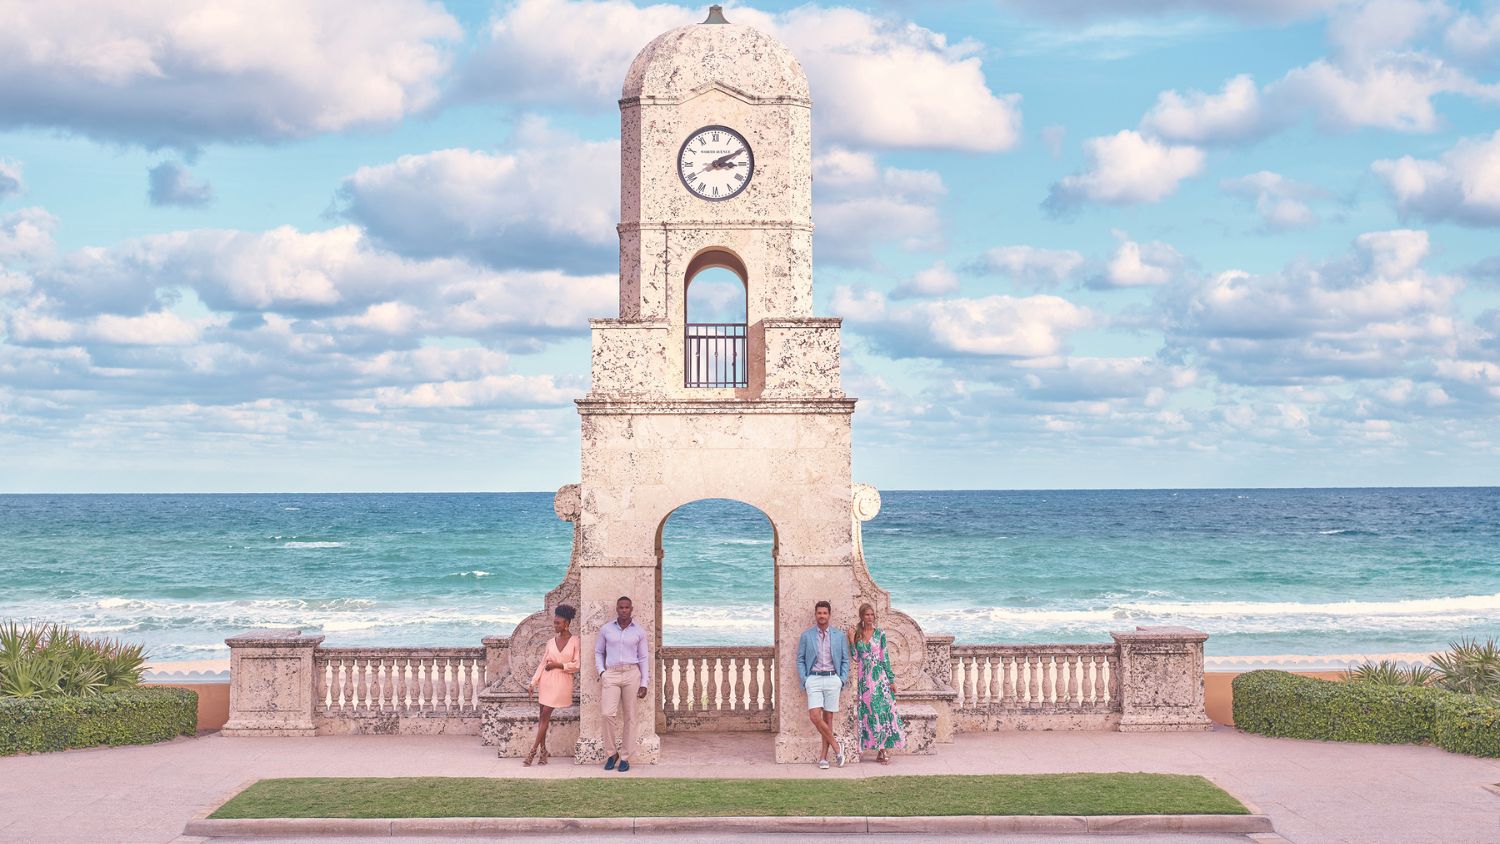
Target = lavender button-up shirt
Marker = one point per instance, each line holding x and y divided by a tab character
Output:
614	648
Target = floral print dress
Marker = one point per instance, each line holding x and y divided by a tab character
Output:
879	726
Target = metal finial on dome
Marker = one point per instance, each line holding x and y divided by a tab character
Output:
716	15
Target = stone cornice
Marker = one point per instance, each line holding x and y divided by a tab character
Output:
666	407
711	225
802	322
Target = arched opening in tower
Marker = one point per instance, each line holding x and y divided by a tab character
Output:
717	308
716	623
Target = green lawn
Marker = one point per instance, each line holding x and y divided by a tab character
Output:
596	797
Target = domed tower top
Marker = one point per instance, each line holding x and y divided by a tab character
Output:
681	61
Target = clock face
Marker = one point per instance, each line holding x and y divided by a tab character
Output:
715	163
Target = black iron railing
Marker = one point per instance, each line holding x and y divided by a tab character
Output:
715	355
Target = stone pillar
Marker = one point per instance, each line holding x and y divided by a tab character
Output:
271	683
800	583
600	586
496	658
1161	680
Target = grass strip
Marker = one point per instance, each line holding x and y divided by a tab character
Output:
600	797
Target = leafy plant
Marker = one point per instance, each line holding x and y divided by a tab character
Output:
49	660
1390	673
1470	666
133	716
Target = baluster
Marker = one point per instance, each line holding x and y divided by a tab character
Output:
320	683
423	691
446	691
1033	679
682	684
1011	670
971	681
725	666
1049	679
1074	667
997	672
739	667
362	684
345	684
1057	680
1097	699
413	684
695	685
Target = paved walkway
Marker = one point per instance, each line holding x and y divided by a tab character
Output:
1314	791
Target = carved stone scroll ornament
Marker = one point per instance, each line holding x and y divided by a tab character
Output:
864	506
529	641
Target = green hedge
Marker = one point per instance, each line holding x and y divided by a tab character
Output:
1275	703
133	716
1468	724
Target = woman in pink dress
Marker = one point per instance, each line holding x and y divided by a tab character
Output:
553	680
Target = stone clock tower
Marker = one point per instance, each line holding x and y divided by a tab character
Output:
716	173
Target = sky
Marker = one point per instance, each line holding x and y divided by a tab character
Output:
352	245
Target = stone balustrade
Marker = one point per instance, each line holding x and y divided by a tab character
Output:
284	683
373	681
1036	687
714	688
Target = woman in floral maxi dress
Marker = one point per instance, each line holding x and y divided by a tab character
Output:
875	685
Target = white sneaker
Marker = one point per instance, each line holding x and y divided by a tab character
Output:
840	757
823	764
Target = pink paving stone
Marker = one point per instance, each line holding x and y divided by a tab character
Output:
1314	791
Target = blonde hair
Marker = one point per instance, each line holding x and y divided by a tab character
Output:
860	625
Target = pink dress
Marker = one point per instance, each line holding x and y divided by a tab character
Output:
555	687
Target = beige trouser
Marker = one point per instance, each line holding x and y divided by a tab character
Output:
617	691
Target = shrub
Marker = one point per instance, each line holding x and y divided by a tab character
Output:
1389	673
1469	666
1275	703
1468	724
132	716
49	660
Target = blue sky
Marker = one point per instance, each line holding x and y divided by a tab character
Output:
280	246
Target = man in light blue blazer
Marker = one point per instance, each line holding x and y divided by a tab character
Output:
823	665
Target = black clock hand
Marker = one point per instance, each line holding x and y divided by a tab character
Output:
723	160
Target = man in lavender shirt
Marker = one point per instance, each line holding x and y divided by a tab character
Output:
620	658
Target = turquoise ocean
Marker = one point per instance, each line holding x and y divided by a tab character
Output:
1262	571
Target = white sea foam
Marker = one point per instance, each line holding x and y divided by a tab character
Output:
314	545
1227	616
743	542
291	509
474	573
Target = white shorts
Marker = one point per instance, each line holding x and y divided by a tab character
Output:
823	691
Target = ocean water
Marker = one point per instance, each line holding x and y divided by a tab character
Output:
1262	571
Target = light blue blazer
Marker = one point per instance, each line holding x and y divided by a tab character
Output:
807	652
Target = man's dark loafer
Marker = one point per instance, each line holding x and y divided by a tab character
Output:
609	764
624	765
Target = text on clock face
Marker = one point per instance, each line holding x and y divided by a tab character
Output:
715	163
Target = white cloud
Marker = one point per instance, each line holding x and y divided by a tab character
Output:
159	328
171	184
861	207
10	179
489	391
26	234
992	326
1374	314
1394	93
552	201
1475	38
1031	266
936	280
1234	114
893	84
1140	265
878	81
1462	186
1124	169
163	73
1255	10
1279	201
1362	29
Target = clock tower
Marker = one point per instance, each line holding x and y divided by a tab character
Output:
716	174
